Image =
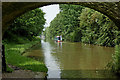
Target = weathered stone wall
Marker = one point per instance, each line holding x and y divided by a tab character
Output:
11	10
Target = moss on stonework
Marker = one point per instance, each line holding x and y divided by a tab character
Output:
12	10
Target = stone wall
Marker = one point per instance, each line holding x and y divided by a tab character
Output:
11	10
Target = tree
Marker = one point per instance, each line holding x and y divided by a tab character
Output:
66	22
76	23
28	25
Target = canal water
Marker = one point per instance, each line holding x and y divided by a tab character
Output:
73	59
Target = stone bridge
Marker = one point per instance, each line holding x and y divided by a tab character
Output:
12	10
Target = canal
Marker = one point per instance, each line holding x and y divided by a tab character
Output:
73	59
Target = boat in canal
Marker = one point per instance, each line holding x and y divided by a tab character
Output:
58	39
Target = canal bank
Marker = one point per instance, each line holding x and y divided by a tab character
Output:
23	65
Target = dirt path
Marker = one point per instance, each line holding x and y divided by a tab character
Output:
19	73
23	74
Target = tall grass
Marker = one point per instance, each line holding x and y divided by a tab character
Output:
13	56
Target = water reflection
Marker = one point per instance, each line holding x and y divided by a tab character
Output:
74	60
77	60
50	61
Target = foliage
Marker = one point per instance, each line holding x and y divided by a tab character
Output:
13	56
116	60
21	36
65	22
76	23
97	28
26	26
9	69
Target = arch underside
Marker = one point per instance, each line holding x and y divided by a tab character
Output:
11	10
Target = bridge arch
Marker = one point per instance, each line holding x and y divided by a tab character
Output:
11	10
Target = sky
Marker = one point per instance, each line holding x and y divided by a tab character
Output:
51	12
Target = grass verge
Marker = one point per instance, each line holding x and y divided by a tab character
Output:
9	69
13	56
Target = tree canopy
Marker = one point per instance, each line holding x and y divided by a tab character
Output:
28	25
77	23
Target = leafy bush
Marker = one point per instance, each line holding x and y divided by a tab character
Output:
116	60
26	26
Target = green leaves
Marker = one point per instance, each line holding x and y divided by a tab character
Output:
96	28
27	25
65	22
115	65
77	23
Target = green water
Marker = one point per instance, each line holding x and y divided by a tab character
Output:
73	60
